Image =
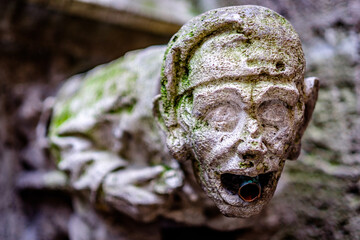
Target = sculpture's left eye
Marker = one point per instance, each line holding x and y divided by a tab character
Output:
223	117
274	113
274	116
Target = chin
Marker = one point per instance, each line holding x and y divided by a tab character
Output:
241	194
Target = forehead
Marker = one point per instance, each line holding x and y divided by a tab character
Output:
232	56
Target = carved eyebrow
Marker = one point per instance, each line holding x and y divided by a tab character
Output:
287	94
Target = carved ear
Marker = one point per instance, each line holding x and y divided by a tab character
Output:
175	136
311	94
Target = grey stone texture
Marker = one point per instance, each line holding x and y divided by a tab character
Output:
234	101
317	196
224	106
114	152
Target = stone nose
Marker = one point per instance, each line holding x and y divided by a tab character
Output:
252	150
253	128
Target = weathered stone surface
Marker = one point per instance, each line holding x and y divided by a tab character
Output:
318	195
114	152
234	101
103	134
40	48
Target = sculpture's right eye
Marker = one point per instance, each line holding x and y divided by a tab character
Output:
223	117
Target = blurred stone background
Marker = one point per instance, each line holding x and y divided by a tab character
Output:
43	42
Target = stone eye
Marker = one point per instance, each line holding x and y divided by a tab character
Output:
223	117
273	113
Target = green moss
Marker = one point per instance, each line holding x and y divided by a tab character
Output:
110	76
95	83
244	165
163	91
184	99
98	84
200	125
282	19
266	167
166	167
62	117
55	151
253	63
185	80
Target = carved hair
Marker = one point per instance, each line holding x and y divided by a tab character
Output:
253	24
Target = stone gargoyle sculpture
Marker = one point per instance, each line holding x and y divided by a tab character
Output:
229	98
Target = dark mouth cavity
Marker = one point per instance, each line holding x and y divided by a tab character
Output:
247	188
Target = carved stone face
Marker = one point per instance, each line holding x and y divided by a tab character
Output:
240	129
234	100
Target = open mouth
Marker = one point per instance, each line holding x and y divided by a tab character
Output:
247	188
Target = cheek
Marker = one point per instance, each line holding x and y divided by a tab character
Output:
206	143
278	140
269	134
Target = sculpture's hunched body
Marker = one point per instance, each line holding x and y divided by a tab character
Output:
227	96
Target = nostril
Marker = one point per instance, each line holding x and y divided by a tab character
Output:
249	156
256	134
